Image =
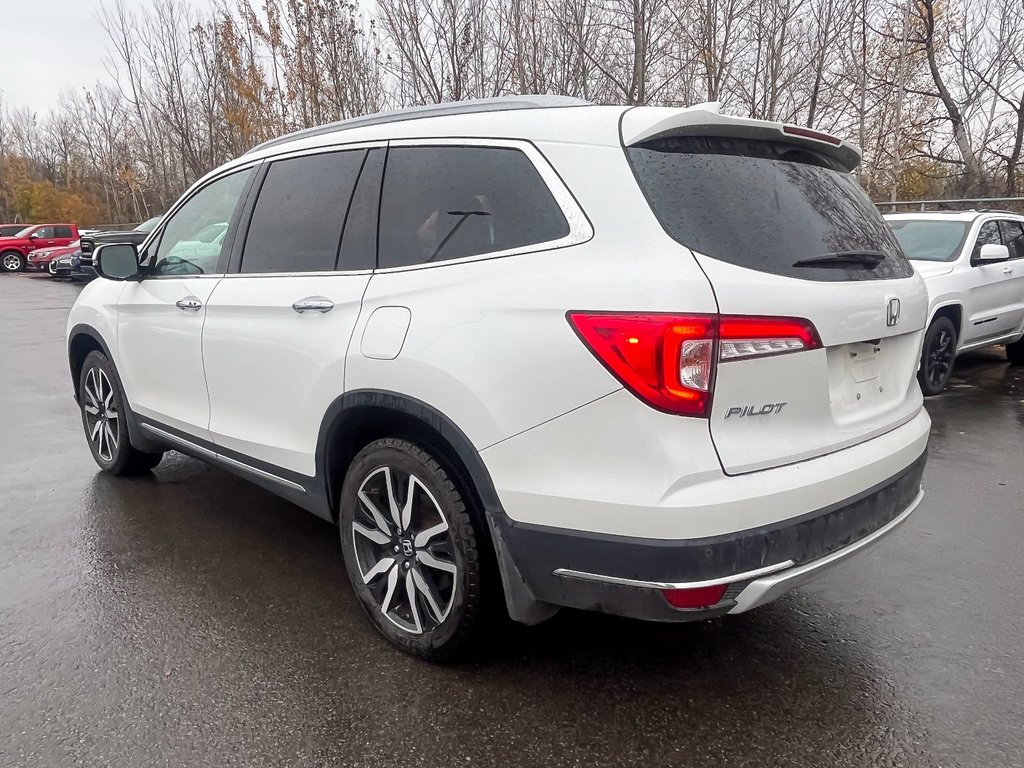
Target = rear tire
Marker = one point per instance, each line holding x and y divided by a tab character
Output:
937	356
1015	352
414	563
12	261
104	419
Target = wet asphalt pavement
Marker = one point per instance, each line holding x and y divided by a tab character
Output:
192	619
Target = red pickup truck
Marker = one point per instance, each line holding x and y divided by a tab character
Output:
14	250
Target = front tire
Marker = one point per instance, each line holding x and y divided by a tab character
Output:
411	550
103	418
12	261
937	356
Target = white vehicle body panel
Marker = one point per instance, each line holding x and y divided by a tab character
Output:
989	296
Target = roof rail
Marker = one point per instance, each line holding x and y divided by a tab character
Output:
998	210
470	106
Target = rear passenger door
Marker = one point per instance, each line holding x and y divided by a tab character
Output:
278	325
63	235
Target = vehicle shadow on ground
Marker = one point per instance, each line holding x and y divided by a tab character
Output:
190	554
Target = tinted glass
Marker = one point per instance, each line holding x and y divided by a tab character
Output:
988	234
359	243
62	232
296	224
11	230
929	240
180	251
44	232
1013	237
764	205
443	203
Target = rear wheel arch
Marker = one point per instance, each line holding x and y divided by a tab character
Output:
357	418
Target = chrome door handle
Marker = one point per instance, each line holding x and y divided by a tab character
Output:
319	304
189	303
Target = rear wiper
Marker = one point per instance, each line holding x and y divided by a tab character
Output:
869	259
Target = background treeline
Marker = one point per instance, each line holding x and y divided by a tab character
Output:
932	91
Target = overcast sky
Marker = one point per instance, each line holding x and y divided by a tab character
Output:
52	45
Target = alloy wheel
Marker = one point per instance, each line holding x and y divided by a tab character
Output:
12	262
940	358
100	414
404	550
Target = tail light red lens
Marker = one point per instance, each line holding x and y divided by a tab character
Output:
698	597
669	361
665	360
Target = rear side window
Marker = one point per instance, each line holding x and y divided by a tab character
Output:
62	232
442	203
766	205
297	222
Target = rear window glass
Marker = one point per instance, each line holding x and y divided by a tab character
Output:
766	205
929	240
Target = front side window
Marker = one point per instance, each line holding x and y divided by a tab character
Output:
987	235
193	238
44	233
929	239
297	222
442	203
1013	237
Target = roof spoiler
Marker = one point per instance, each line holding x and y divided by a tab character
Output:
641	124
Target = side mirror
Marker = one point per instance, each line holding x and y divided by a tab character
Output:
116	261
991	253
34	236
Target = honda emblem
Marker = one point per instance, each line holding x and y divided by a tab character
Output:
892	315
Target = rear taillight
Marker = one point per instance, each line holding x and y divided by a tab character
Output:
669	361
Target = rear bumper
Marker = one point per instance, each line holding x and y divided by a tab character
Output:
626	575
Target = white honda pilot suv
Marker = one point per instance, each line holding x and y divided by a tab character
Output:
649	361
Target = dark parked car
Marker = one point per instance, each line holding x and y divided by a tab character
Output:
10	230
84	271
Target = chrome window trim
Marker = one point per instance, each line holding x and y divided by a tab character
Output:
580	228
206	452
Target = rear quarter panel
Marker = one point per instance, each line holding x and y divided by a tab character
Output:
489	344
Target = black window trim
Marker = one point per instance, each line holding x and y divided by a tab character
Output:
244	201
1001	222
580	228
234	265
975	233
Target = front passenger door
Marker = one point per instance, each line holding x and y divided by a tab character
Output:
160	317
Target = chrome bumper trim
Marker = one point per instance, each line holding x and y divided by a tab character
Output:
766	589
768	569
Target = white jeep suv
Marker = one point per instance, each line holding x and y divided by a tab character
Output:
973	265
649	361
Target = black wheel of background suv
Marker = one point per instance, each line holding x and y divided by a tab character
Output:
411	550
1015	352
12	261
102	404
937	356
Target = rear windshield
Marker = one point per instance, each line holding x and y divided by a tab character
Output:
766	205
930	240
